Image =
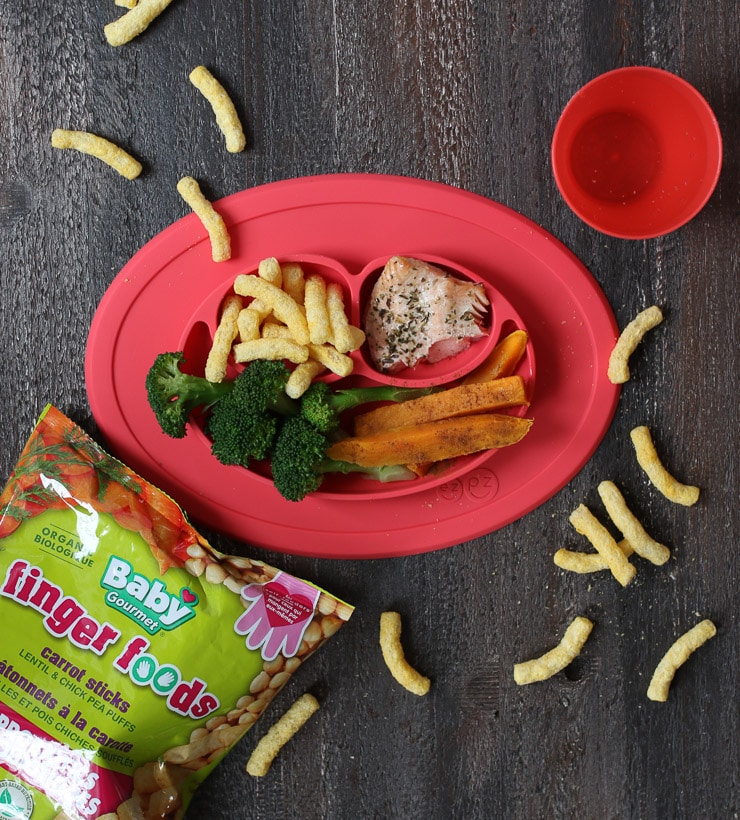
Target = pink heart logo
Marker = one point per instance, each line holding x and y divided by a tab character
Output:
188	596
283	607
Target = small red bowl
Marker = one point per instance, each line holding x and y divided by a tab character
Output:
637	152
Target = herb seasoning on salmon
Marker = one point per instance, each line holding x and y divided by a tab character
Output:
418	312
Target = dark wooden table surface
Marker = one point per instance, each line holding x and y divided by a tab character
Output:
465	93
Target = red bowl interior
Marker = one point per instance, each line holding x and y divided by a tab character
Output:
637	152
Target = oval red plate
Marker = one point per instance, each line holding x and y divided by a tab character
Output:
354	219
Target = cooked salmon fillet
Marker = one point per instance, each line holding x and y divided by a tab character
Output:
418	312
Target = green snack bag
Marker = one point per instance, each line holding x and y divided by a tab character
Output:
133	655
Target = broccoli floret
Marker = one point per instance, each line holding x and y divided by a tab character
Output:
298	449
299	461
322	406
243	424
173	395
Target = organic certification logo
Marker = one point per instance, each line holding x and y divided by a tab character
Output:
16	802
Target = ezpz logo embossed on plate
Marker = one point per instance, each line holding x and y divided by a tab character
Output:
478	485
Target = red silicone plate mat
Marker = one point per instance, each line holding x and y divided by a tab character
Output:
354	219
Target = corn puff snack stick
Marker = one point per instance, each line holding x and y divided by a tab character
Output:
665	483
213	222
226	117
393	655
134	22
556	659
98	147
280	733
676	656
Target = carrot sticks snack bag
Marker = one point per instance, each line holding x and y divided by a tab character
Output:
133	655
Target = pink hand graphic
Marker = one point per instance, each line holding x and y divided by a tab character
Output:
278	615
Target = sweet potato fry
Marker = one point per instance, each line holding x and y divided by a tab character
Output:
463	400
503	359
422	468
433	441
501	362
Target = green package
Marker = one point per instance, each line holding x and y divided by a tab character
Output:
133	655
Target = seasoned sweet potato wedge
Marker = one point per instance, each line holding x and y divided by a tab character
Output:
433	441
503	359
456	401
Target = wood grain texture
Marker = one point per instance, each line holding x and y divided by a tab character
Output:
465	93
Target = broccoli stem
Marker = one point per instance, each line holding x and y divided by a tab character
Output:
283	405
386	474
341	400
206	394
